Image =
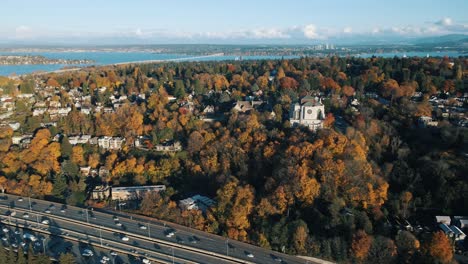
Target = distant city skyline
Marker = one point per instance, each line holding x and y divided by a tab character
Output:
223	22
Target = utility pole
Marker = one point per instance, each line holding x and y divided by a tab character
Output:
30	208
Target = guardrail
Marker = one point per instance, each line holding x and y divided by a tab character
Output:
163	242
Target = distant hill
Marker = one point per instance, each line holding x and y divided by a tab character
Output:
446	40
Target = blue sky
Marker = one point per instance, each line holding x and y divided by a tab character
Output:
239	21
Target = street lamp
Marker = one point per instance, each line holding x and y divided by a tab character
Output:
100	235
149	232
44	244
227	247
172	255
30	207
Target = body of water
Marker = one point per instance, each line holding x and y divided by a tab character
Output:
104	58
413	54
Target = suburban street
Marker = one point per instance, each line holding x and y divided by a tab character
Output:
154	240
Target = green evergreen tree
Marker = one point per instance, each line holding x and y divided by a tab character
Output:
43	259
60	186
179	90
66	147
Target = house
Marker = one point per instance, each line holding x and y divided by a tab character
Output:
196	202
85	110
14	125
426	121
83	139
443	219
457	233
85	170
134	192
169	147
246	106
309	112
100	193
16	140
39	111
110	142
461	221
446	229
116	143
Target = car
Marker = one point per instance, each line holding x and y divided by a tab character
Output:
13	213
17	232
29	236
113	253
87	253
4	238
103	261
143	227
125	238
194	239
23	244
116	218
47	211
52	207
170	234
106	258
14	245
62	211
146	261
248	254
25	215
45	221
5	230
20	199
118	224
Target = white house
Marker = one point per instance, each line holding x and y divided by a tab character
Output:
309	112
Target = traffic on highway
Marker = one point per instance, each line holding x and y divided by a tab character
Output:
147	240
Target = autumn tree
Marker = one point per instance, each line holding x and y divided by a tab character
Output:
439	248
360	245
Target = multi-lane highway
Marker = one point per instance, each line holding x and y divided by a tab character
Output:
145	239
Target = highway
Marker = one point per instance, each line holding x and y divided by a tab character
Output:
149	239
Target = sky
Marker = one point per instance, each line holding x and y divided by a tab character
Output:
230	22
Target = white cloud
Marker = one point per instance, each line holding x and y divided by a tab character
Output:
310	31
446	21
348	30
23	32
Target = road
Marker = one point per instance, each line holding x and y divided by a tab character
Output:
146	239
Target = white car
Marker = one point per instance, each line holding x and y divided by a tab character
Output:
5	230
20	199
87	253
170	234
4	238
116	218
118	224
143	227
25	215
45	221
17	232
250	255
125	238
146	261
47	211
30	237
113	253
